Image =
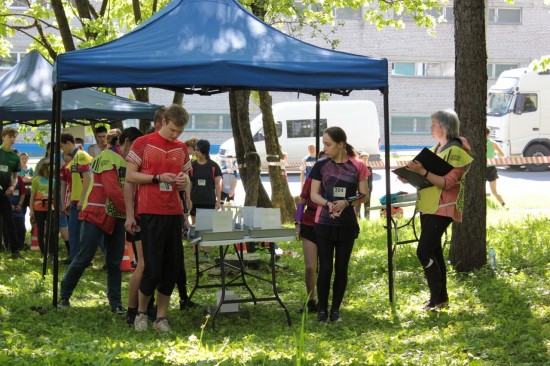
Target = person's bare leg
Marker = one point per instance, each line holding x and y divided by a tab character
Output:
135	279
493	185
310	261
162	305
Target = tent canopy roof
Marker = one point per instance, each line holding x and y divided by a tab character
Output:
209	46
26	95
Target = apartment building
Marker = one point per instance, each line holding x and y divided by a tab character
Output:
421	67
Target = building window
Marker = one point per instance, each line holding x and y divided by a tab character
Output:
410	125
424	69
11	60
304	127
446	12
19	4
494	70
504	16
348	13
210	122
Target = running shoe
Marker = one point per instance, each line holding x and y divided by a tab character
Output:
162	326
140	323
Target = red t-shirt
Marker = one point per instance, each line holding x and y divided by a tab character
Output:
153	154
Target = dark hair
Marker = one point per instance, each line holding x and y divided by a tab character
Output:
338	135
101	129
204	147
79	140
487	131
67	137
130	134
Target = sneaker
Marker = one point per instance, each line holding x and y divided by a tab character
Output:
322	316
430	306
63	303
335	316
442	304
15	254
118	310
131	316
140	322
162	326
311	307
187	304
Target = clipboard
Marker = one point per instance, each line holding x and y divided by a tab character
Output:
430	161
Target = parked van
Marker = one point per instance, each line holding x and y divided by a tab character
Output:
518	114
296	127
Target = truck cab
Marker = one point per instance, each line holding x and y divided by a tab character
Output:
518	114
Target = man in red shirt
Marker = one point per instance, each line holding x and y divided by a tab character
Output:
158	164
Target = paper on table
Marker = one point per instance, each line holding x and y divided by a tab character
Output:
222	221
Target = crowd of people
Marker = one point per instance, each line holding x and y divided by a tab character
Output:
144	187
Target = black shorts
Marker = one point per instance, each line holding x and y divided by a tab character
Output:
492	174
226	198
306	231
193	211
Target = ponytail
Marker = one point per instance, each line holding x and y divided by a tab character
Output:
350	151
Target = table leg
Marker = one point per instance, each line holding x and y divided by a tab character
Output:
240	255
197	271
274	282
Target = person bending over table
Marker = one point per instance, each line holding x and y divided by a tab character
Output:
334	179
441	203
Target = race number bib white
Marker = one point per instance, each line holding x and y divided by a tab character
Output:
227	186
339	192
3	168
165	187
201	182
16	192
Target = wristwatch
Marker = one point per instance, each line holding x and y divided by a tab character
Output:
155	179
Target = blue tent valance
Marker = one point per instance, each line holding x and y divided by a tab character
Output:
208	46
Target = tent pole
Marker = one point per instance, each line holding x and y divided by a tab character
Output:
57	116
49	217
391	279
317	122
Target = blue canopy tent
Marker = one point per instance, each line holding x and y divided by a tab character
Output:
213	46
26	94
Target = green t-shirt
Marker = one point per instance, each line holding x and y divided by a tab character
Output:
9	164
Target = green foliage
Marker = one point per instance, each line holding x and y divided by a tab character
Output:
495	317
541	65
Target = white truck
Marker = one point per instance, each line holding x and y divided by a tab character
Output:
518	114
296	127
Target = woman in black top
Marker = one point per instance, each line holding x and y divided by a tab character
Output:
335	179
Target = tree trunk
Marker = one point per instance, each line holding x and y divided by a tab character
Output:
247	157
178	98
280	193
468	247
63	23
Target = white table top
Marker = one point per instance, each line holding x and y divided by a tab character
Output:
246	239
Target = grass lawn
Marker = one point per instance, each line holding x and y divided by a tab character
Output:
497	317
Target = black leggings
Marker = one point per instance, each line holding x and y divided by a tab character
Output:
8	223
326	249
430	254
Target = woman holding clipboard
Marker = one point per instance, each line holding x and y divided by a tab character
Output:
440	203
335	183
